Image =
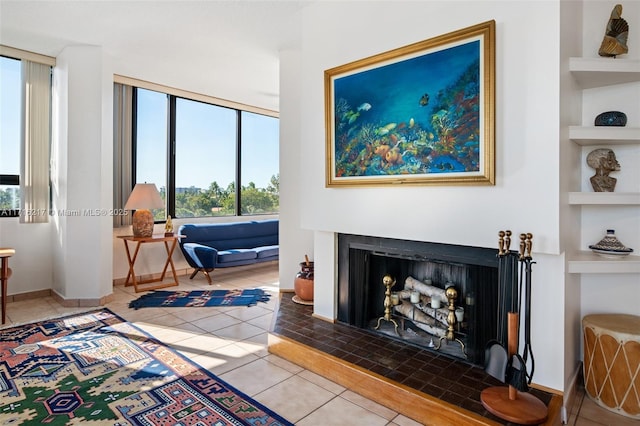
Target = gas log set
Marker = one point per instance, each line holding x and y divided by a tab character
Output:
421	303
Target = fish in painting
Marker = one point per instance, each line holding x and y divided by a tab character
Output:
364	107
424	100
386	129
351	116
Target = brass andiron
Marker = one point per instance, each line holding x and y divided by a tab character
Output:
388	281
451	294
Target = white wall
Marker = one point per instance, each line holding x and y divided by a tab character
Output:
31	265
82	174
295	242
525	197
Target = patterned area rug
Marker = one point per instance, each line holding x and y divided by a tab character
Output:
97	368
199	298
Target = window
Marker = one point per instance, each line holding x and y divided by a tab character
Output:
150	148
260	151
10	118
204	156
214	150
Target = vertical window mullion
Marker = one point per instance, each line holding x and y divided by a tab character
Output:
134	137
238	163
171	157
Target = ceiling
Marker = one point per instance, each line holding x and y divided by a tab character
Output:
223	48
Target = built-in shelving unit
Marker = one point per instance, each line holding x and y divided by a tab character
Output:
591	73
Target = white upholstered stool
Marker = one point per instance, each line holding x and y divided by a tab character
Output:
612	362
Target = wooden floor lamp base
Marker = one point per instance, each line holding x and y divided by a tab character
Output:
525	409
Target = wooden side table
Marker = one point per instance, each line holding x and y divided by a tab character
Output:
5	273
169	245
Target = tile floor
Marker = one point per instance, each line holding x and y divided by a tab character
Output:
232	343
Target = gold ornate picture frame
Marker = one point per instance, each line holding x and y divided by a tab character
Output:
421	114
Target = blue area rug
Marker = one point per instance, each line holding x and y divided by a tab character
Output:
96	368
200	298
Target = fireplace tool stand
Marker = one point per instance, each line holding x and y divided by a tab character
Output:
451	294
513	403
388	281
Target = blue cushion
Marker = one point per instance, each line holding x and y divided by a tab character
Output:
236	255
267	251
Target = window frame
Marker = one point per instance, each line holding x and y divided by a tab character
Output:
172	97
11	179
20	55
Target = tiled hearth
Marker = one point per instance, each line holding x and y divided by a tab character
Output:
416	382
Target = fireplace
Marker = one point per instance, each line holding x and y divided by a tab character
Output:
363	263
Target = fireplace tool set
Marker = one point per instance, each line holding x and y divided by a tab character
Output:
512	402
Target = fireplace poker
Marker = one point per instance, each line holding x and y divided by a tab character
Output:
505	276
500	285
528	351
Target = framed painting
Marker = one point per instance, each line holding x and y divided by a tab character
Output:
421	114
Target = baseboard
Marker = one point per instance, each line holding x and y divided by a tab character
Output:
218	272
571	394
67	303
179	272
82	303
27	295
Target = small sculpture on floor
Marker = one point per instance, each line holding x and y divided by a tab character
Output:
615	38
604	161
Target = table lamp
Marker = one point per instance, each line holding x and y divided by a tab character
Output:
145	196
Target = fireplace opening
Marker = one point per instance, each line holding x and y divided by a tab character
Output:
363	264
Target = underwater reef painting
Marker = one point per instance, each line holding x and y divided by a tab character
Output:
420	114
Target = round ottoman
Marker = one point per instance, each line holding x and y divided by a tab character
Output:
612	362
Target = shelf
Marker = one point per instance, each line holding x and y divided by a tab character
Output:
605	198
598	135
586	262
599	72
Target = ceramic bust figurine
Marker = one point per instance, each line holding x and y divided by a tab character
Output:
604	161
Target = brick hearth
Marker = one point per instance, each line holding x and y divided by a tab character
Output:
426	386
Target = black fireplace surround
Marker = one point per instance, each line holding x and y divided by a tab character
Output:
363	261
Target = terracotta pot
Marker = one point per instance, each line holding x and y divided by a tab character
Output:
303	283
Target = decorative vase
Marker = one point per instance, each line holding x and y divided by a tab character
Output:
610	246
303	283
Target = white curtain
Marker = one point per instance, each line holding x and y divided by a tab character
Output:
122	151
36	131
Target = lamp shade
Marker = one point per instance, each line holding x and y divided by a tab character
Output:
143	198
